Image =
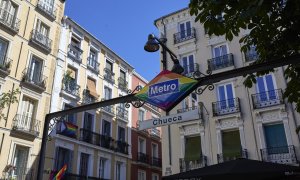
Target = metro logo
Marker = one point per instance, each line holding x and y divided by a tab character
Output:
163	88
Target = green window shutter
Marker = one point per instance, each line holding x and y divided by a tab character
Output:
192	148
231	144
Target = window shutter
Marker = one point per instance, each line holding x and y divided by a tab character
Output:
193	148
91	86
231	143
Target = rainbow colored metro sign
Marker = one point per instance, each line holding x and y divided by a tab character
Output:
165	89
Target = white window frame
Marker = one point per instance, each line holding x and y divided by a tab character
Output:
218	46
144	145
142	172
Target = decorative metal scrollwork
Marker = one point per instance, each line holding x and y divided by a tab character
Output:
198	74
54	121
200	90
137	103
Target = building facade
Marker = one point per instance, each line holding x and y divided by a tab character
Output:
94	143
29	34
234	121
146	144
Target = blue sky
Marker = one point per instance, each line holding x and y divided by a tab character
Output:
124	26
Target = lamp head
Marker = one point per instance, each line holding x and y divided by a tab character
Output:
177	68
151	45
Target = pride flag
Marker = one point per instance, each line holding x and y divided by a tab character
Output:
61	173
68	129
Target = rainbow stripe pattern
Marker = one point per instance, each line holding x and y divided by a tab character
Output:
61	173
68	129
165	89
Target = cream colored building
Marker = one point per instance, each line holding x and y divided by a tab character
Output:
88	71
29	32
235	122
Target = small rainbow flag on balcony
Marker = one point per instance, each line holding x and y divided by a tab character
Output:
68	129
60	173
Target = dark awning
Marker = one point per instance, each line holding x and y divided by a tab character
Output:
239	169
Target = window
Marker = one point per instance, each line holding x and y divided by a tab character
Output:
88	121
141	115
194	100
106	128
72	73
20	160
118	171
188	64
8	12
93	59
275	139
28	110
231	145
109	66
141	175
75	42
251	54
155	176
121	134
142	145
219	51
123	75
48	5
102	169
3	51
107	93
42	29
192	148
154	150
91	86
226	96
71	117
63	156
185	29
265	88
84	163
35	70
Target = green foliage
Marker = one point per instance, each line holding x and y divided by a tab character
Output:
8	98
274	27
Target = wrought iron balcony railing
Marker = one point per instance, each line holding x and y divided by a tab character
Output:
122	113
109	76
48	10
227	106
143	158
122	84
282	155
155	132
190	69
221	62
70	87
74	53
93	65
251	57
41	40
122	147
71	176
187	165
87	98
29	76
9	20
5	64
26	124
20	172
89	136
155	161
109	109
242	154
184	35
267	98
107	142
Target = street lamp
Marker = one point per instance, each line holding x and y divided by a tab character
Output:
152	45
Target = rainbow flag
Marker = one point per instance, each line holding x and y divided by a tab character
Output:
61	173
68	129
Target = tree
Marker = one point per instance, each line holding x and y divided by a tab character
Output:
6	99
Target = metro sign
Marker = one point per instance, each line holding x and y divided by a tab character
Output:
165	89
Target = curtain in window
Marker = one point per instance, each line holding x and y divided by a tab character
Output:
275	139
91	86
231	144
192	148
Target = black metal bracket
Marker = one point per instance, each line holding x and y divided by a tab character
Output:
135	102
198	74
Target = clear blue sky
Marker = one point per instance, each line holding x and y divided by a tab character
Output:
124	26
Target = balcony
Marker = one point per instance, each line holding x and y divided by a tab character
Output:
220	62
155	132
41	40
47	10
122	84
282	155
242	154
267	99
18	173
227	106
5	64
89	136
122	147
106	142
187	165
109	76
122	113
87	98
34	81
93	65
191	70
155	161
25	126
143	158
184	35
71	87
249	57
74	52
71	176
9	21
109	109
